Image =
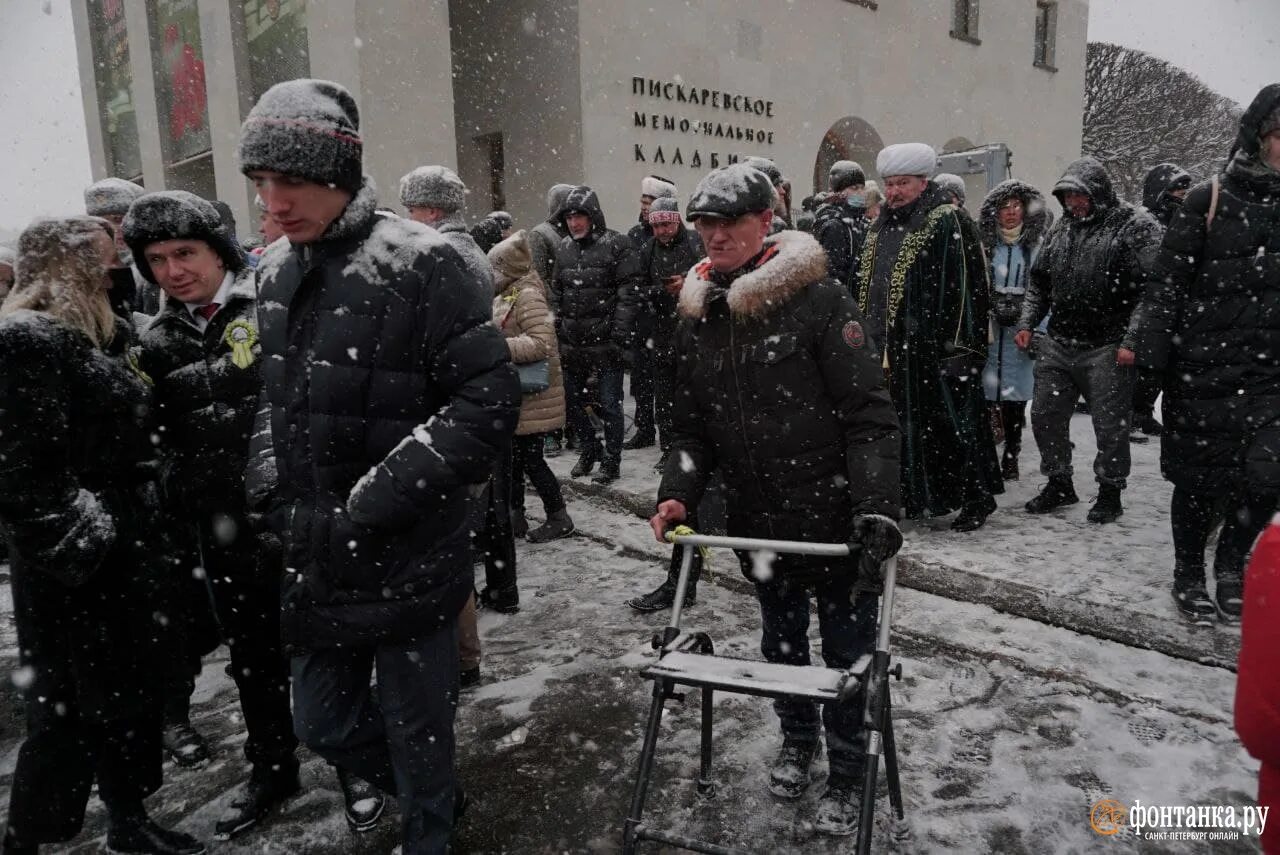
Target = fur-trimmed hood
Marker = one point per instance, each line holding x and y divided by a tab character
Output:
1036	216
792	261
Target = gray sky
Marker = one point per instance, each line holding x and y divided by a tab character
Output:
1233	45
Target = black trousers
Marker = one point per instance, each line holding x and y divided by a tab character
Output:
664	388
1193	516
61	757
494	539
1013	415
1145	391
527	459
244	574
643	388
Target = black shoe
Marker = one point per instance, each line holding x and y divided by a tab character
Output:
1148	425
558	525
974	516
1230	597
586	462
505	600
184	744
1057	493
1194	603
1009	466
138	835
257	799
364	802
791	772
664	597
609	472
519	524
661	465
642	439
838	810
469	677
1107	508
551	447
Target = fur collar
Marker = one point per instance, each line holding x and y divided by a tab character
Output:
799	262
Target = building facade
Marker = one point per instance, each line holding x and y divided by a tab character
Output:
521	94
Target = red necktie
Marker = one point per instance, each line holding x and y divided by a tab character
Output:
208	311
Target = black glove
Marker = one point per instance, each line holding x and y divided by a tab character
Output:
878	536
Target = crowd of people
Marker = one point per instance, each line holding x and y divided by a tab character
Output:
298	446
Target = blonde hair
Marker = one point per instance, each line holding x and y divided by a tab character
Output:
59	272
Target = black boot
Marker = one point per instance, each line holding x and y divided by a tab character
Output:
973	516
839	808
1147	424
364	802
610	471
791	773
558	525
641	439
1230	596
664	597
1009	464
258	798
184	744
519	523
136	834
1107	508
1057	493
505	600
586	462
1192	599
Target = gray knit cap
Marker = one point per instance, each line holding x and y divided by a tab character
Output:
845	174
306	128
110	196
433	187
952	184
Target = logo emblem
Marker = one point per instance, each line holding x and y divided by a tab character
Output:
241	336
853	335
1107	817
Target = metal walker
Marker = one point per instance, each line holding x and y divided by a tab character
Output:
688	660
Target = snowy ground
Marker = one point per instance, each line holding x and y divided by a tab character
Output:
1009	729
1112	581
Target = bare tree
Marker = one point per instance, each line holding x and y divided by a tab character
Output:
1140	110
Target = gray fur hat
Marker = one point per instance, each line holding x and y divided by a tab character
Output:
433	187
177	215
110	196
305	128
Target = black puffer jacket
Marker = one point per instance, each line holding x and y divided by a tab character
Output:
779	387
842	230
79	509
596	293
388	395
1092	270
1211	321
1157	187
1007	297
659	263
206	394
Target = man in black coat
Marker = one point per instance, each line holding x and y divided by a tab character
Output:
666	261
840	225
1163	190
1090	275
596	298
779	387
653	189
387	396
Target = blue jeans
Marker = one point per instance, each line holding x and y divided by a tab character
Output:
848	630
610	394
402	742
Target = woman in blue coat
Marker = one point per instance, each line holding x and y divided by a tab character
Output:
1013	222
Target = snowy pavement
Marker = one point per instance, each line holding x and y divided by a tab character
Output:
1110	581
1009	729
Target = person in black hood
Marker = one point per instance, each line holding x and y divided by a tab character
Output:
1163	190
1090	275
1210	322
840	224
653	189
596	298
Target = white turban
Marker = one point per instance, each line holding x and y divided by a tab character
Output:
907	159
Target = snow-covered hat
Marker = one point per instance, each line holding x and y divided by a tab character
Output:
555	198
433	187
953	184
306	128
665	210
502	218
907	159
767	166
845	174
657	187
731	191
110	196
177	215
511	258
